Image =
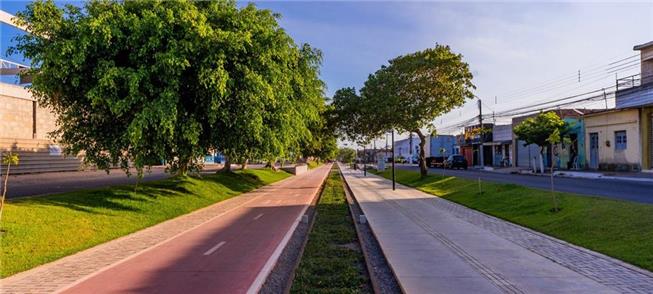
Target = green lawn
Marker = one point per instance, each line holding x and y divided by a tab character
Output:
313	164
41	229
332	260
620	229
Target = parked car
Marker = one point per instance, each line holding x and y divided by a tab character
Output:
435	161
455	161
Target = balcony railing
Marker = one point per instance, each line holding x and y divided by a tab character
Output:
629	82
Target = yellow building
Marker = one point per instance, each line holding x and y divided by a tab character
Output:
636	92
613	140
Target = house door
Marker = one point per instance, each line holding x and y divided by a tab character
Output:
594	150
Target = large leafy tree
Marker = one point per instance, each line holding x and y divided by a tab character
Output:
355	118
323	142
414	89
140	81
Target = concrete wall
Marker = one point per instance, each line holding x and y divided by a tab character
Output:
647	64
606	124
17	117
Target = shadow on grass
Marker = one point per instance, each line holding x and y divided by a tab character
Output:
127	197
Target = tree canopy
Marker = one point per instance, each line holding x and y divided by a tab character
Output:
137	82
407	95
346	155
541	129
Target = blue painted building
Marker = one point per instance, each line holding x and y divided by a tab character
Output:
408	148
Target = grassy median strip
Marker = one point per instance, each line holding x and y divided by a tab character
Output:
620	229
41	229
332	260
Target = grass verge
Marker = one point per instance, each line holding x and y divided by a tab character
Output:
332	260
313	164
621	229
42	229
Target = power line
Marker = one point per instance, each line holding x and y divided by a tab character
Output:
599	95
566	78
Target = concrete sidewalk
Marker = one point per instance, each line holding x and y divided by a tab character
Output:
436	246
229	247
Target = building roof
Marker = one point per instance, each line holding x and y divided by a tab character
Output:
643	46
609	111
563	113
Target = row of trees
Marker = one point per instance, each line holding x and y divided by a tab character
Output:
406	95
137	82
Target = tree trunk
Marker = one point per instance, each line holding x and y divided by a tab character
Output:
183	168
422	156
553	195
227	165
244	165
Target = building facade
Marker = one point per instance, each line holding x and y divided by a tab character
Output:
476	140
636	93
613	140
25	128
570	154
501	145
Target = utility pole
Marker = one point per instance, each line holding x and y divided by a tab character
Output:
480	121
364	161
393	159
374	152
605	97
386	146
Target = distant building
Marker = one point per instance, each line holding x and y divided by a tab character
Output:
476	141
408	149
570	155
501	145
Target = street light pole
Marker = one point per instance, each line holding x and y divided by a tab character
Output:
364	162
393	159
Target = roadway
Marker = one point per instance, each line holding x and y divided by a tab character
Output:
60	182
617	189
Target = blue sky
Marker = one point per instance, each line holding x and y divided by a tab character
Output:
510	46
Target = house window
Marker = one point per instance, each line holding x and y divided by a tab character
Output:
620	140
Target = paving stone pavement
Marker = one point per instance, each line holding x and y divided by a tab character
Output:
609	272
57	275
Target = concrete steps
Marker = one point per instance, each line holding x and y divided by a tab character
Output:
35	156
